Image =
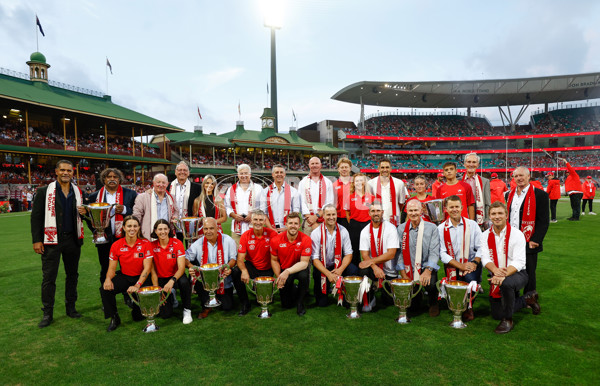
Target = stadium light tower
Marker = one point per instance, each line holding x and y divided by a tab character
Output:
273	13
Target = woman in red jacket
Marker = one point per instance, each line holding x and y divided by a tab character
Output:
553	190
589	192
574	190
358	215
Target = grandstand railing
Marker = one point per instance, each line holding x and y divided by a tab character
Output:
484	151
482	138
566	107
65	86
424	113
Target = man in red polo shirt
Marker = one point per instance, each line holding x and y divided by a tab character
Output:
437	184
290	255
497	189
589	192
454	187
254	257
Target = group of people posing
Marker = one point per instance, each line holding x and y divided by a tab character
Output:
354	226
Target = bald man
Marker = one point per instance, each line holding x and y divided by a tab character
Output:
315	191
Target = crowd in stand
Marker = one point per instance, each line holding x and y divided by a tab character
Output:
222	159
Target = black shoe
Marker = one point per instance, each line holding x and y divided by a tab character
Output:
300	310
115	322
46	320
244	310
72	313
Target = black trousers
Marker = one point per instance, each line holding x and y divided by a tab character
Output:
70	251
530	267
185	292
432	293
239	285
504	307
385	297
343	222
576	204
109	298
589	201
290	296
322	299
553	209
226	299
103	253
355	228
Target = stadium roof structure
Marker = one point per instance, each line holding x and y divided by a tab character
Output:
473	93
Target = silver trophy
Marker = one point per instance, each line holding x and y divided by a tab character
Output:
457	297
265	289
435	211
99	216
403	294
189	226
211	279
150	301
351	292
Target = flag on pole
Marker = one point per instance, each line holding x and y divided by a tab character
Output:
239	109
37	21
109	66
267	88
200	115
294	115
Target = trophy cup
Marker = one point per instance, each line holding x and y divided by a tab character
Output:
150	301
351	291
457	298
190	226
99	216
211	279
402	293
264	286
435	211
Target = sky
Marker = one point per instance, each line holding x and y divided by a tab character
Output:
171	58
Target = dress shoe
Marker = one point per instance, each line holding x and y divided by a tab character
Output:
531	300
72	313
468	315
115	322
46	320
505	326
434	310
244	310
300	310
204	313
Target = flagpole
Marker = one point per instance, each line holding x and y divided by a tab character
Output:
106	69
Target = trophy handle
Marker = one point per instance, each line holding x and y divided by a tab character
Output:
386	290
133	299
111	209
165	296
438	286
417	291
86	215
250	288
275	286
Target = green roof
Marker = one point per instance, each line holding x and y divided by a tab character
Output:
41	93
37	57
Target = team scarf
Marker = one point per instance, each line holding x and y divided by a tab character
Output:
337	254
343	196
186	195
308	196
452	273
287	203
479	205
237	226
118	216
50	231
154	207
413	274
377	247
528	219
220	257
393	200
500	263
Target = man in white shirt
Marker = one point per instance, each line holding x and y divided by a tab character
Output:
331	255
278	200
390	191
480	186
240	200
503	255
315	191
184	192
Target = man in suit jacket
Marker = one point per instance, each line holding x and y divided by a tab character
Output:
56	229
184	192
112	193
480	186
528	211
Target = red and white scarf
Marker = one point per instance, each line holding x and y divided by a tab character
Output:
337	254
118	216
237	226
287	203
50	230
465	246
393	199
479	205
377	247
220	257
413	274
499	262
322	193
528	219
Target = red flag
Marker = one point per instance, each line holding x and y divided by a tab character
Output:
200	115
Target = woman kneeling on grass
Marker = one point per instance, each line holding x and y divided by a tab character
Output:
134	255
169	268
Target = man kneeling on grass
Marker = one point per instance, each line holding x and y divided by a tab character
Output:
503	254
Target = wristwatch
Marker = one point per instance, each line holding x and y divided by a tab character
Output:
430	269
174	279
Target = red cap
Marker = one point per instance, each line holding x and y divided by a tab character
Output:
494	175
550	174
440	175
590	177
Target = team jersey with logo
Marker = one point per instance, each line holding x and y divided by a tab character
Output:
131	259
257	249
289	253
460	189
165	259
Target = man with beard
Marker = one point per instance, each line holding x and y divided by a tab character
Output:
390	192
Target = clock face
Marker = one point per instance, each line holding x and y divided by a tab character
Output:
270	123
264	123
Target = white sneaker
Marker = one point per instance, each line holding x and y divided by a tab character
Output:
583	213
553	221
592	213
187	316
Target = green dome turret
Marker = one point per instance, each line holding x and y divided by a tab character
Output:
37	57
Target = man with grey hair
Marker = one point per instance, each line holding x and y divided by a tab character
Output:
528	209
480	186
240	200
279	199
315	191
154	204
184	192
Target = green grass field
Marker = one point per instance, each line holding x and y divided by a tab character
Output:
559	346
